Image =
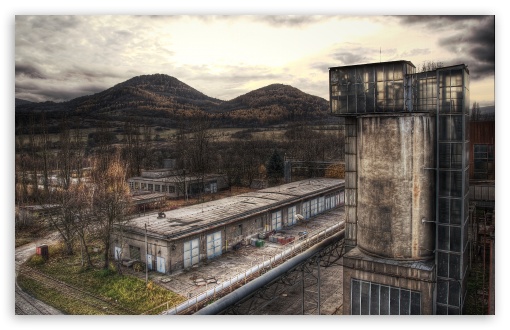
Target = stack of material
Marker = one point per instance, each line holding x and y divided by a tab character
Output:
288	239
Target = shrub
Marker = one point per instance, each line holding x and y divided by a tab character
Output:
36	260
139	266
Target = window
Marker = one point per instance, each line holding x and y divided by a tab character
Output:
163	188
171	189
131	185
213	187
150	187
291	216
157	187
214	245
191	253
328	202
239	230
321	204
368	298
134	252
276	220
313	207
484	165
306	209
137	185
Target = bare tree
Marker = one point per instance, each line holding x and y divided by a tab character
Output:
110	200
83	219
64	219
194	149
431	65
475	111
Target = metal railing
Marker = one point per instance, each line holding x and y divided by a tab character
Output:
296	247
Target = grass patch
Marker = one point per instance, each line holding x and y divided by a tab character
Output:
124	290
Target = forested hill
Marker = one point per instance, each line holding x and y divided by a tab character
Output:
275	103
163	99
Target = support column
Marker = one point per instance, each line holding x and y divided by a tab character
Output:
351	185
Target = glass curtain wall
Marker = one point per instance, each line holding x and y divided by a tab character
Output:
452	185
369	88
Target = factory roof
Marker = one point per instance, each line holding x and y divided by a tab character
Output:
196	218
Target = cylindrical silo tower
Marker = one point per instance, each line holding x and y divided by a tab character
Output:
396	185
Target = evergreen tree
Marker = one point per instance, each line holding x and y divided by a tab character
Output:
275	167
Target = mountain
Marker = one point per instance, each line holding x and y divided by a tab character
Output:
163	99
18	102
275	102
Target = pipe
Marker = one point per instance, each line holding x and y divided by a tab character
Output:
254	269
225	302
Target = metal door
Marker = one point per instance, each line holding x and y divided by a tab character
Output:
149	261
214	245
291	215
161	265
191	253
276	220
118	252
313	207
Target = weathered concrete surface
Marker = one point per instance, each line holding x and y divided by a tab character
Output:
396	186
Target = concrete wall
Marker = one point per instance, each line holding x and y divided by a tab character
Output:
420	278
396	186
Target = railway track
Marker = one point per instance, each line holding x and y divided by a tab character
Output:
100	305
26	305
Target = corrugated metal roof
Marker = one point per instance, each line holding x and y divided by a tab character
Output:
186	220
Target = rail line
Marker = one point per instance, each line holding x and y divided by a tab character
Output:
101	305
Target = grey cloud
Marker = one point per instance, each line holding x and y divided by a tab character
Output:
56	91
50	22
290	20
351	54
320	66
415	52
348	57
436	21
476	45
29	71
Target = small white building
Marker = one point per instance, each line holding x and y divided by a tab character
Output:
175	184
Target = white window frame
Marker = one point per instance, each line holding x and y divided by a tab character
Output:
276	220
214	245
193	258
305	209
291	215
313	207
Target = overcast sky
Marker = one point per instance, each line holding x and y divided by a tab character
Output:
58	58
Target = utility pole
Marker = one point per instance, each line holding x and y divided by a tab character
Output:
146	257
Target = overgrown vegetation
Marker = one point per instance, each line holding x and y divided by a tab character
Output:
477	290
128	292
